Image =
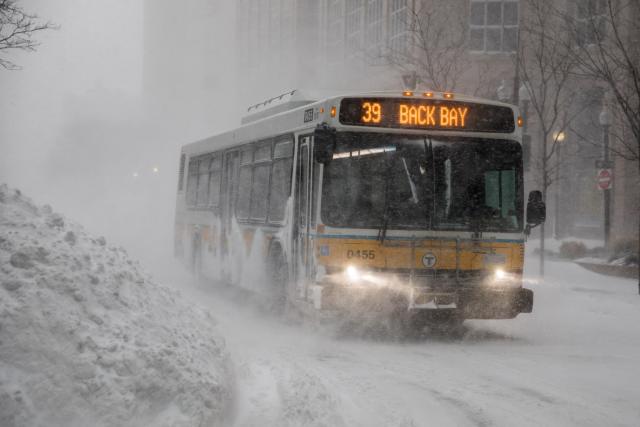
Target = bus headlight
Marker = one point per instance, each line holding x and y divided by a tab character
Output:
356	276
353	274
502	278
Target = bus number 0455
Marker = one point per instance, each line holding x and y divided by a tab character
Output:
361	254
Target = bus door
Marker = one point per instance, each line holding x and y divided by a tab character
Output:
303	247
229	194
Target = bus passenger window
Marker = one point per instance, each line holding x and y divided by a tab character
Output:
202	195
283	150
260	191
280	189
244	192
262	153
246	156
280	180
215	171
181	172
192	182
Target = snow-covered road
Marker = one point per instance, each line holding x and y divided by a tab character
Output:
574	361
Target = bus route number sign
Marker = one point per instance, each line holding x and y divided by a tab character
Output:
426	114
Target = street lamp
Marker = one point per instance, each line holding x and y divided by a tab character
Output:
605	122
558	138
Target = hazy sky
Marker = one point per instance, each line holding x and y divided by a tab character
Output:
64	132
99	43
97	48
77	129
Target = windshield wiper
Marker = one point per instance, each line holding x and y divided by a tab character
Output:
431	200
412	186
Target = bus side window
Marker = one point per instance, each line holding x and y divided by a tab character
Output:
230	185
260	185
183	158
280	180
244	192
192	182
244	184
215	172
260	191
202	194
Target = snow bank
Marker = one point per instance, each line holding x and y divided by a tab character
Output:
553	244
86	338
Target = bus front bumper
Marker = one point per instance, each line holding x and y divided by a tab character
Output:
476	302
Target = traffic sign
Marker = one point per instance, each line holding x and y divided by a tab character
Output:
604	179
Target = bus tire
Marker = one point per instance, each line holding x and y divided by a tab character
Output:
277	279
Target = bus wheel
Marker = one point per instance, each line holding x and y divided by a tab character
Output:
277	280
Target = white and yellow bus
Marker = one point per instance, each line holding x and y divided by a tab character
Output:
407	200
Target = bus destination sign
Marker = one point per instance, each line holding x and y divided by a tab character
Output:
433	114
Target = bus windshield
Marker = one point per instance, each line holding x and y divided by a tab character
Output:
422	182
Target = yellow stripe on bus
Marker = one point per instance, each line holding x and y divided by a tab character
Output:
398	254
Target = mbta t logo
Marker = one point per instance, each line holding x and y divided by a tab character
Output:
429	260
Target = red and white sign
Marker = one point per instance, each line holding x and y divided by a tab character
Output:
605	179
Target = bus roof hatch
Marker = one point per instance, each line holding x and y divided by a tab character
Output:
277	104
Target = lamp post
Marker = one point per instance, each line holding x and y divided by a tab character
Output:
558	138
525	98
605	122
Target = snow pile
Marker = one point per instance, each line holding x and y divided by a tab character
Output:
86	338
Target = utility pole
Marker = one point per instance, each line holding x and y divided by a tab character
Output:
605	122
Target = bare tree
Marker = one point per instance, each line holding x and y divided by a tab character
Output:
546	70
436	46
17	29
605	43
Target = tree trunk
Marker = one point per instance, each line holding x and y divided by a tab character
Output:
545	184
638	187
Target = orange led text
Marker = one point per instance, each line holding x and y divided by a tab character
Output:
431	115
372	112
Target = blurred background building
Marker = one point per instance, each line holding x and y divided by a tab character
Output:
189	57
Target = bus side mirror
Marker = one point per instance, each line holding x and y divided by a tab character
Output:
324	143
536	210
